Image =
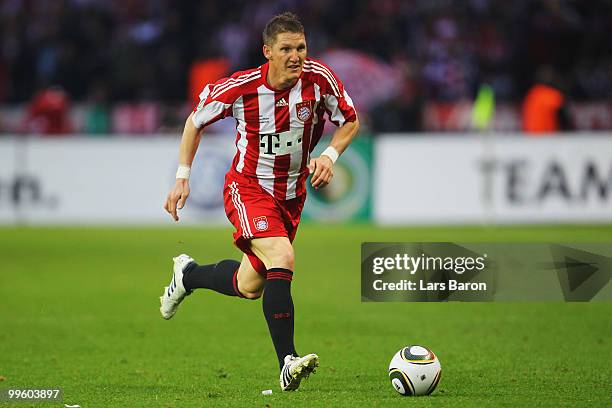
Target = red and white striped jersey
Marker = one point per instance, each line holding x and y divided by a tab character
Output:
277	129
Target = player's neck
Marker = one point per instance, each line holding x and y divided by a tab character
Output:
278	81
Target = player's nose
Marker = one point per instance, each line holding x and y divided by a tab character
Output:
294	56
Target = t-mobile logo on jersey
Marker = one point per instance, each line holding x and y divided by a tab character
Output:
280	143
267	143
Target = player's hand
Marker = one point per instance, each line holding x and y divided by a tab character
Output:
322	172
177	197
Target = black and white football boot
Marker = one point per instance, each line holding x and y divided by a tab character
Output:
296	369
175	292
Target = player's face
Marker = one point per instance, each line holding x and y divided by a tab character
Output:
287	55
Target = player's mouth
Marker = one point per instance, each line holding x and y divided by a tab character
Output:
294	67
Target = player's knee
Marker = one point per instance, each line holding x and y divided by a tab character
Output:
275	252
284	258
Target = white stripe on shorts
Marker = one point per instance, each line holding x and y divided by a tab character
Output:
242	214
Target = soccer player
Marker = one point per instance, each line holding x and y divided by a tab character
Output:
279	110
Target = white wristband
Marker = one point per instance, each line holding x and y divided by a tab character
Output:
183	172
332	153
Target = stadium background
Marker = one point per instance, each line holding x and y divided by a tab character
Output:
93	95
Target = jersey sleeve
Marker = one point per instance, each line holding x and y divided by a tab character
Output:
338	104
211	107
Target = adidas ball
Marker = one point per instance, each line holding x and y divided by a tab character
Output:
414	370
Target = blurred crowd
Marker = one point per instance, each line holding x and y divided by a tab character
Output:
105	52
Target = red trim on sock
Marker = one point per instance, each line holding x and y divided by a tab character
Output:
279	275
235	282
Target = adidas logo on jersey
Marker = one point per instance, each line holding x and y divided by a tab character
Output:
281	102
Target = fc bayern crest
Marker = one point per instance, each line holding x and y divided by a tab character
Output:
303	110
261	223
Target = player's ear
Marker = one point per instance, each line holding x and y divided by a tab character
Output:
267	51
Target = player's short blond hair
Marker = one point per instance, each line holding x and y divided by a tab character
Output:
286	22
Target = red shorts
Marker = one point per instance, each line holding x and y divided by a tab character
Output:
256	214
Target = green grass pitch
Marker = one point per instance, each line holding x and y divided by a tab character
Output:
79	310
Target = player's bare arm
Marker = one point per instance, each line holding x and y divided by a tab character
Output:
189	145
322	167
